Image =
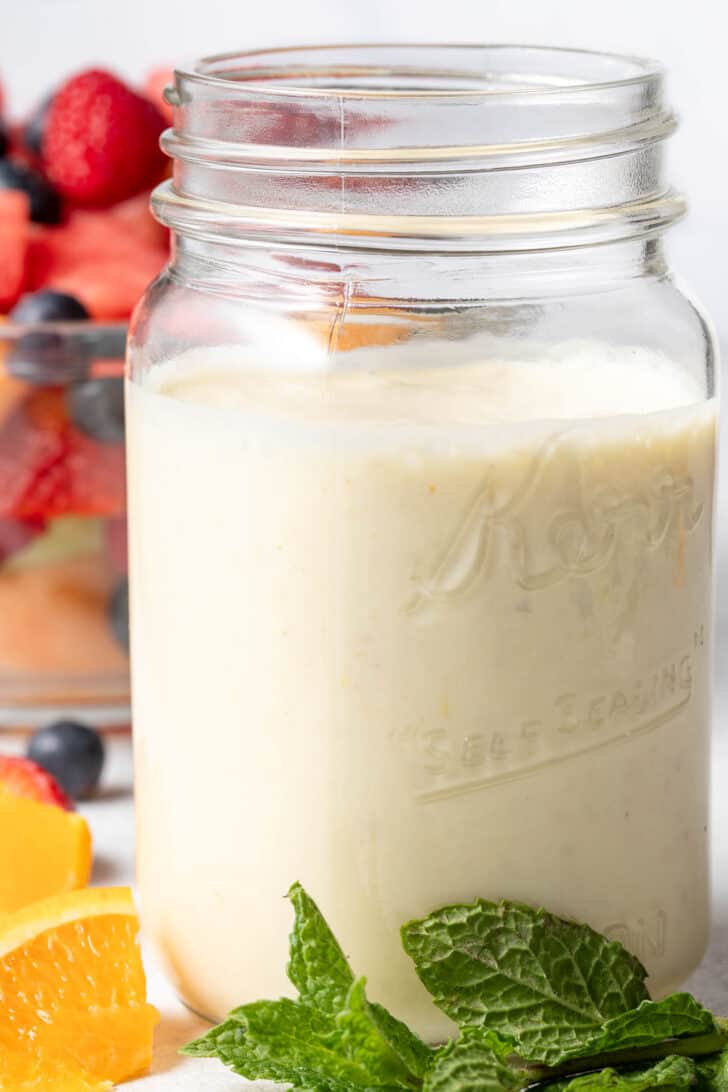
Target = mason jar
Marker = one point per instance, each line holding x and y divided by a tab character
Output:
421	458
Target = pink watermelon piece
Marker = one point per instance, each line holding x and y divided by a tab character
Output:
14	220
97	258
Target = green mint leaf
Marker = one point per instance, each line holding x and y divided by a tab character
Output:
713	1072
547	983
317	966
414	1054
471	1064
671	1073
651	1023
206	1045
361	1040
287	1042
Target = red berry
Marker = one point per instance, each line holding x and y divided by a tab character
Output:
22	777
101	140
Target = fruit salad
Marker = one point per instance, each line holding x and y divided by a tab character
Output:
78	246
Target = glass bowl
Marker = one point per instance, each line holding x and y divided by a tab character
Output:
63	584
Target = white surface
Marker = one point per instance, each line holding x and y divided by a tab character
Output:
111	819
44	40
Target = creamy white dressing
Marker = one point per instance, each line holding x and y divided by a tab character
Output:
413	635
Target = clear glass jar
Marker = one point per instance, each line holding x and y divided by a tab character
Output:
421	456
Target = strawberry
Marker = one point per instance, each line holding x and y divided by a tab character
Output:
22	777
101	140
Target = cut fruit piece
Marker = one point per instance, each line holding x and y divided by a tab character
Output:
23	777
116	544
97	476
17	535
70	536
111	289
14	221
39	257
12	391
136	216
44	850
105	259
75	640
74	1013
49	469
154	86
359	335
85	236
32	445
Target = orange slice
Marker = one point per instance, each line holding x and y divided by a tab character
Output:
43	850
356	335
73	1011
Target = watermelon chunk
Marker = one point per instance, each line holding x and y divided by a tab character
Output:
137	219
107	290
14	220
154	86
100	258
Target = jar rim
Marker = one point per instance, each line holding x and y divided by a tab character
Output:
489	144
229	69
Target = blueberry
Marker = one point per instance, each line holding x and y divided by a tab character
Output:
96	407
72	753
45	204
47	359
48	306
35	126
119	613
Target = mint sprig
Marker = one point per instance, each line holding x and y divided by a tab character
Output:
539	1001
331	1039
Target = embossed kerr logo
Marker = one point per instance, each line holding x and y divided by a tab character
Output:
576	540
